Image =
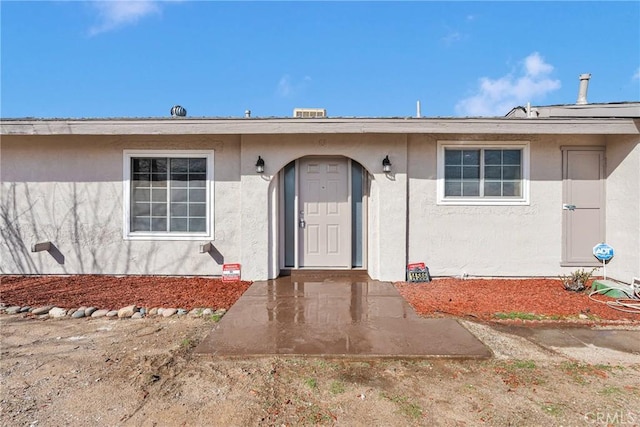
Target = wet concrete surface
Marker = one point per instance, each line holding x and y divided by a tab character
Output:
334	317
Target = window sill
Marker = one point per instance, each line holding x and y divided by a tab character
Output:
490	202
169	237
580	264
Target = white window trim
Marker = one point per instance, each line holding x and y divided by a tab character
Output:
126	191
486	201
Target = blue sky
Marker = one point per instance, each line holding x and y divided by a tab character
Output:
364	59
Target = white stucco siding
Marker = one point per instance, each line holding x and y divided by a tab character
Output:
68	190
489	240
623	206
254	226
391	212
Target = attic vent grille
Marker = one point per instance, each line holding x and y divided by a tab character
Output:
308	113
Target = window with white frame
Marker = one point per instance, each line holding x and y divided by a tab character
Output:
167	194
469	173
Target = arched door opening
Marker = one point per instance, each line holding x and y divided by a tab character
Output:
323	214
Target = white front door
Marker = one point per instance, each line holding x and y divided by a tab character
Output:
325	213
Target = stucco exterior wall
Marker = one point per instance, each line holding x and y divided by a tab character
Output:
623	206
386	233
489	240
68	190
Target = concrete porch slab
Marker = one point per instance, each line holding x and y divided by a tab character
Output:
334	317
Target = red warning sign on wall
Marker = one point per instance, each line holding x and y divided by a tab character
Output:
231	273
416	266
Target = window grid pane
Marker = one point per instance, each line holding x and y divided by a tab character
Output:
462	173
483	173
142	196
168	194
188	195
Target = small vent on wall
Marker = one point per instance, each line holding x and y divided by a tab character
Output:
309	113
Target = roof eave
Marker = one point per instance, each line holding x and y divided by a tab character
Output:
203	126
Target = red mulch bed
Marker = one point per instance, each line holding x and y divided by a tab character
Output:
110	292
477	298
483	298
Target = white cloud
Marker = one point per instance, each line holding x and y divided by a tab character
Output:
287	88
114	14
636	76
534	65
496	97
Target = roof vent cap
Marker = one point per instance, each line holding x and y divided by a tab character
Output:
178	111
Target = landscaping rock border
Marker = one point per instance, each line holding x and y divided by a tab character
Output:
128	312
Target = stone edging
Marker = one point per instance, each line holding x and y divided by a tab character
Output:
129	312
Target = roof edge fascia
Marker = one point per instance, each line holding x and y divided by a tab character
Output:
204	126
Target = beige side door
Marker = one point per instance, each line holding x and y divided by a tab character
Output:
325	213
583	204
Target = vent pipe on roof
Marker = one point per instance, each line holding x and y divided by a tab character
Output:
418	113
178	111
582	92
247	114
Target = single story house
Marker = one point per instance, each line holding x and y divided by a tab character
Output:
528	194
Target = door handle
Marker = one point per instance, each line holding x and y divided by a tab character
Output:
567	207
302	223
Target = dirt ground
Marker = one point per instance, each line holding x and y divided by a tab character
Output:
144	373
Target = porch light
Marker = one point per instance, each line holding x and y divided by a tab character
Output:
260	165
386	164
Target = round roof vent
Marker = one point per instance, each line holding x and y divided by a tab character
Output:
178	111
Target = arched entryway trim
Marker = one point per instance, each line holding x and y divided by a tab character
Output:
320	217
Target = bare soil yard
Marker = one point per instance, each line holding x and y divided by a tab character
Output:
144	373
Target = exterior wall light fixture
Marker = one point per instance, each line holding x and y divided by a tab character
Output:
42	246
260	165
386	164
206	248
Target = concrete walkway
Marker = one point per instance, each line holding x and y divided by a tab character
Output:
590	345
334	317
